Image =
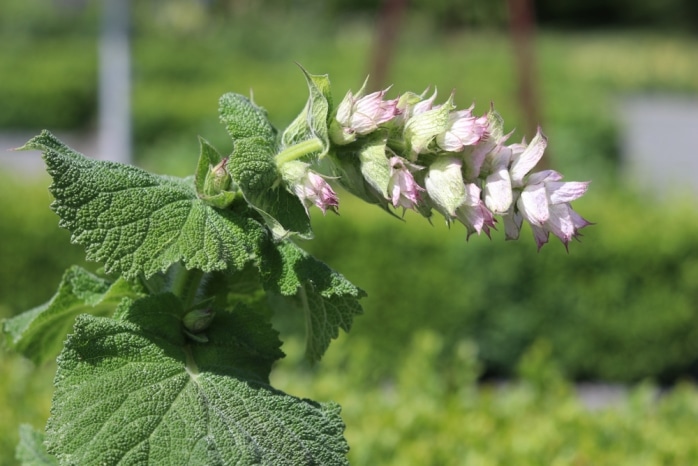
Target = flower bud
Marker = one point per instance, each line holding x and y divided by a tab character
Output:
403	190
463	129
198	320
359	115
217	179
309	186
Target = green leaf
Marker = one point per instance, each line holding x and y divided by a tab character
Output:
254	170
31	450
136	222
312	122
39	332
136	391
243	119
328	300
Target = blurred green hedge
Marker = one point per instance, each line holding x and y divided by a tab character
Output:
621	305
34	251
432	416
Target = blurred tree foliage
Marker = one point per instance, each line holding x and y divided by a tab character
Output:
576	14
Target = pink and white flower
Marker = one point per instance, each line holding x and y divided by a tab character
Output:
545	204
358	115
462	129
473	213
403	190
454	198
310	187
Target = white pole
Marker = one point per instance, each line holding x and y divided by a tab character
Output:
115	83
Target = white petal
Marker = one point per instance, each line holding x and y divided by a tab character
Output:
561	192
344	109
560	223
533	204
498	194
529	157
543	176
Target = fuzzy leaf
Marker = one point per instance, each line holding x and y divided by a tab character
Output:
253	169
243	119
136	222
31	450
39	332
136	391
312	122
328	300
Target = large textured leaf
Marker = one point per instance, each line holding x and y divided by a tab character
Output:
328	300
39	332
136	391
254	169
136	222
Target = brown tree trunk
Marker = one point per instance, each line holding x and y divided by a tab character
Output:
522	30
387	28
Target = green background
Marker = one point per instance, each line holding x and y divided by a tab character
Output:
446	321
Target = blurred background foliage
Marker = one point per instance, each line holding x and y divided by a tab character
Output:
445	320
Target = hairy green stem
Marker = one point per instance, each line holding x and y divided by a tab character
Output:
299	150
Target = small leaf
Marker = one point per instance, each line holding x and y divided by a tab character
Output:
39	332
243	119
328	300
136	222
138	392
312	122
254	170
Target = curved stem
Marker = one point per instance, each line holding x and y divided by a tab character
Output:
299	150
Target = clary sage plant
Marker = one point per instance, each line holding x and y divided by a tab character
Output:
169	349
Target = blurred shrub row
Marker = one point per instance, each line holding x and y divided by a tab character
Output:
621	305
432	416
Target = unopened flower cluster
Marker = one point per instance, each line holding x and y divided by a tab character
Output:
412	153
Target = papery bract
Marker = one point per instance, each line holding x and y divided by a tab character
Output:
403	189
463	129
425	124
445	186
